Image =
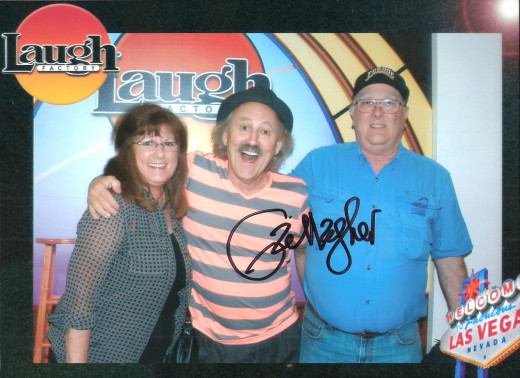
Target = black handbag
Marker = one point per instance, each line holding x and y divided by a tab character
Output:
186	344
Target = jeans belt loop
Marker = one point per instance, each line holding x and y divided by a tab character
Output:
364	335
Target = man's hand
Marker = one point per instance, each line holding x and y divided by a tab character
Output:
100	200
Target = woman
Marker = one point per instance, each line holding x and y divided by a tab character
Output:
129	276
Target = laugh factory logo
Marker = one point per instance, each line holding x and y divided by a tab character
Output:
190	74
60	54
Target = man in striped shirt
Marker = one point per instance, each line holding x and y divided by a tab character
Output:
243	222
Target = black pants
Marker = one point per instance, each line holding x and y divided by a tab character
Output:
282	348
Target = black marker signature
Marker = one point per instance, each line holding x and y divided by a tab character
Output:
335	232
276	247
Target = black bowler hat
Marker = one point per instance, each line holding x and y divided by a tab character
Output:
382	75
257	94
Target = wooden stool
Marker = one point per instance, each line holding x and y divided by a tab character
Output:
47	298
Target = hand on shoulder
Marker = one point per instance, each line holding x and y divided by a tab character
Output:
100	201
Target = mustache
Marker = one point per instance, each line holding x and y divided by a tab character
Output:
250	148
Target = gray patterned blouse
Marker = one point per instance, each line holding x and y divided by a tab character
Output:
119	277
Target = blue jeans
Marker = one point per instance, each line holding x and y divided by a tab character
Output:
322	343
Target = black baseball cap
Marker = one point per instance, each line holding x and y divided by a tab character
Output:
257	94
382	75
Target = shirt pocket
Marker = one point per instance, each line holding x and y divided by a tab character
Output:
150	257
326	203
416	213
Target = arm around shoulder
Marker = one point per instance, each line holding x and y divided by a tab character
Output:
100	201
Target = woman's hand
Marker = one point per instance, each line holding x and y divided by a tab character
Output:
100	200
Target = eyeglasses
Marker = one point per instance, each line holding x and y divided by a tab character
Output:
149	145
387	106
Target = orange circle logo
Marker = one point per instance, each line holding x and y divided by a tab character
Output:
60	54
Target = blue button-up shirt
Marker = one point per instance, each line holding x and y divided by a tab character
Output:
367	266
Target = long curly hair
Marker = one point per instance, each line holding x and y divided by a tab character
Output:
147	119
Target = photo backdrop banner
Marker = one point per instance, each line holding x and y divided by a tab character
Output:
190	74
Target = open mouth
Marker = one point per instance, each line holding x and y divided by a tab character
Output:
250	153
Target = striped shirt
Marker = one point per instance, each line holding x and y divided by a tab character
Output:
241	289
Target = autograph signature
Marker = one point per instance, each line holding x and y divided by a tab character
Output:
334	232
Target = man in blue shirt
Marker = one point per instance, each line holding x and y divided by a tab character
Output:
378	212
